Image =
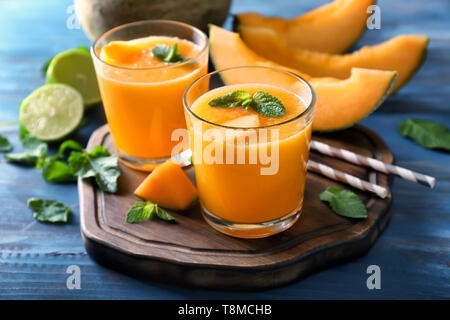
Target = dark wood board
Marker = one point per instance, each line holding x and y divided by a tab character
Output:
192	253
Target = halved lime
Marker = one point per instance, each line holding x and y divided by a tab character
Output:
52	111
75	68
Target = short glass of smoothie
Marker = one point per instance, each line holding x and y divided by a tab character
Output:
250	129
143	69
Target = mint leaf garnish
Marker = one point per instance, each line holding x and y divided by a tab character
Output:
161	51
147	210
5	145
49	210
232	99
98	164
262	102
428	134
344	202
166	54
268	105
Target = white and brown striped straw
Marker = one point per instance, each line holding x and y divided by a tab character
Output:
347	178
373	163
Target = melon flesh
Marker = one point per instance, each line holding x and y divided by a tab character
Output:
168	186
404	54
250	121
340	103
332	28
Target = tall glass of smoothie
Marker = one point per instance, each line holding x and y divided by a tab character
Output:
250	135
143	69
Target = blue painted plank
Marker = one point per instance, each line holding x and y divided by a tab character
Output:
413	253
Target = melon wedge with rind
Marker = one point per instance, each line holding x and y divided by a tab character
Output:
332	28
52	112
404	54
340	103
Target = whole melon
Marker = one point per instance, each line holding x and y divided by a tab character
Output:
99	16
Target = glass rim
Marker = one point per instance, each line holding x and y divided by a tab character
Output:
151	21
304	113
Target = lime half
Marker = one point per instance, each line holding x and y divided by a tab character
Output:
52	112
75	68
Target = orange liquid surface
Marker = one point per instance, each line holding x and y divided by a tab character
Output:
239	192
142	95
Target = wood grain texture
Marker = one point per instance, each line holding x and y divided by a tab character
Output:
190	252
413	252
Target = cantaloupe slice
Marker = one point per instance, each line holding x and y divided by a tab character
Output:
332	28
168	186
340	103
404	53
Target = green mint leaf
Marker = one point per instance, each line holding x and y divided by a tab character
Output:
32	145
174	56
34	153
49	210
68	145
56	171
164	215
98	164
5	145
247	103
140	211
99	151
79	162
106	173
166	54
147	210
428	134
161	51
344	202
232	99
24	134
21	159
267	105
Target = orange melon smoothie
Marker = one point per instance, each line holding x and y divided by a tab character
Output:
143	70
250	168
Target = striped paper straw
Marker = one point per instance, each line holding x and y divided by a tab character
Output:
373	163
347	178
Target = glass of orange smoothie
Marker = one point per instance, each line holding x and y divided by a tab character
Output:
250	129
143	69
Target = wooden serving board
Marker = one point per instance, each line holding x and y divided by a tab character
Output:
192	253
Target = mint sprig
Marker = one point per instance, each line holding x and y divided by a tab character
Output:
49	210
428	134
169	55
98	164
147	210
34	150
262	102
344	202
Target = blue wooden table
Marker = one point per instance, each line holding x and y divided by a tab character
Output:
413	253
